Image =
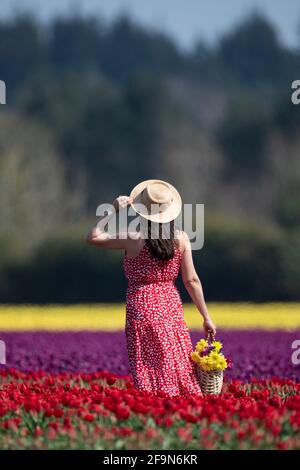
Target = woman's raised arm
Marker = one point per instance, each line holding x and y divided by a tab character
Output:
97	235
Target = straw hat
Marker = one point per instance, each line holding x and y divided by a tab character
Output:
156	200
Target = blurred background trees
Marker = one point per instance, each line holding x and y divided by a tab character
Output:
92	108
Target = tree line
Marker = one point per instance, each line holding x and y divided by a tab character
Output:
94	107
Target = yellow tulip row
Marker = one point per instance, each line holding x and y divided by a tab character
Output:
110	317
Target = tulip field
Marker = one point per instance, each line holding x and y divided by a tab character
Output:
66	383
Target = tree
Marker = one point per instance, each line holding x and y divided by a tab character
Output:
76	43
130	48
255	56
33	197
22	50
242	136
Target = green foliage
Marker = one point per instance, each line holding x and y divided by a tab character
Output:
242	136
94	107
22	50
288	207
287	116
75	43
255	56
32	185
242	262
238	262
128	48
65	271
104	135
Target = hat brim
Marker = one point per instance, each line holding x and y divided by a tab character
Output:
169	214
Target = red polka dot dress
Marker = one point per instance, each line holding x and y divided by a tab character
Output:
158	341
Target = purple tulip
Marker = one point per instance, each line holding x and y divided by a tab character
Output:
255	353
207	350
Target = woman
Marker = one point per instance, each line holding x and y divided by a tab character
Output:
158	340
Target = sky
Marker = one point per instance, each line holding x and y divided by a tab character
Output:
184	20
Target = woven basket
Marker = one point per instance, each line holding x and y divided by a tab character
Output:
210	382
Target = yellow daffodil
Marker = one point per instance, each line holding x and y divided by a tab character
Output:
201	345
217	345
214	355
213	361
195	356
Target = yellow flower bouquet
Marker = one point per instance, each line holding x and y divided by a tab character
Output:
212	362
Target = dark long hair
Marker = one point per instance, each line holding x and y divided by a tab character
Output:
161	240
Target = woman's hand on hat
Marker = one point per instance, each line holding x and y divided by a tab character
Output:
121	202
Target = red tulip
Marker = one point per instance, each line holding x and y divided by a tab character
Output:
89	417
122	412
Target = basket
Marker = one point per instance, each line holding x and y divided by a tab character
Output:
211	382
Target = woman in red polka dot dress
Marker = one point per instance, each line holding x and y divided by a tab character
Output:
158	340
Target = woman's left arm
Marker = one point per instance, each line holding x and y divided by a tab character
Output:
97	235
